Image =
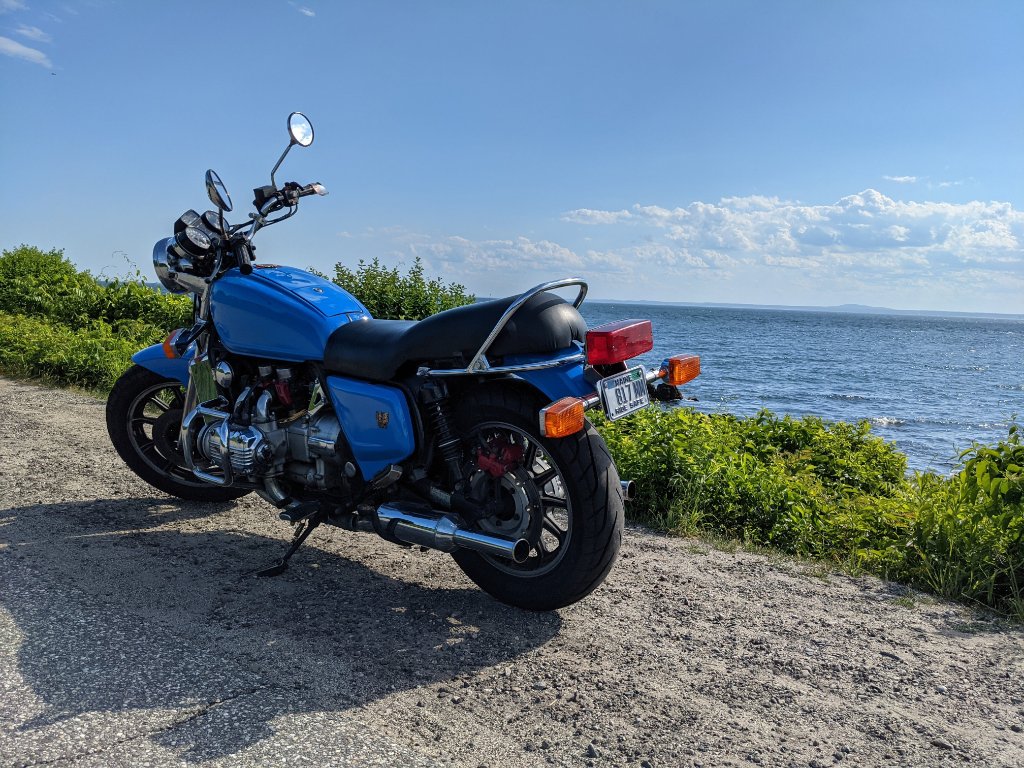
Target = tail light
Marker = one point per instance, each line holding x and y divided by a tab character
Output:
615	342
561	418
681	369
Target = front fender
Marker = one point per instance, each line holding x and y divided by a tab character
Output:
153	359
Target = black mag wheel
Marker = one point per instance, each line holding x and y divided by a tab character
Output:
562	495
144	413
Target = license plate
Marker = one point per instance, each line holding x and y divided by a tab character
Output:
623	393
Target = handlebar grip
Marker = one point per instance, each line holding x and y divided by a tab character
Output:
244	255
316	188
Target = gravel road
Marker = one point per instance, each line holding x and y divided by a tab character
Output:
132	632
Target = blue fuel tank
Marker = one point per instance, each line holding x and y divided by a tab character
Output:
280	312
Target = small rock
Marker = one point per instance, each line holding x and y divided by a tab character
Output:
648	764
593	751
940	688
941	744
545	744
1016	728
815	763
838	755
539	686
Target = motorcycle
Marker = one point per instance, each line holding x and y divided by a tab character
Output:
465	432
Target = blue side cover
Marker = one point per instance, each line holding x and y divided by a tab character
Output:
154	359
376	422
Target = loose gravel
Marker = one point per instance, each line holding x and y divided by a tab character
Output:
132	632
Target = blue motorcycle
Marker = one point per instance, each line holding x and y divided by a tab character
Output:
465	432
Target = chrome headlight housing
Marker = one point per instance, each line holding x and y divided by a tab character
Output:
166	265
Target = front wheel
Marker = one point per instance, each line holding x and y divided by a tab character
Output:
144	413
562	495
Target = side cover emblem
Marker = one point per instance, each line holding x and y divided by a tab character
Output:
382	419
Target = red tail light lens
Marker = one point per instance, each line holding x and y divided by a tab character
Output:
615	342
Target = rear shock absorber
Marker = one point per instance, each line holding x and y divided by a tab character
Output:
434	396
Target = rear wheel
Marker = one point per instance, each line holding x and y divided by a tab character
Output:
144	413
562	495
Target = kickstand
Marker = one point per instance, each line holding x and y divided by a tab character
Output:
301	534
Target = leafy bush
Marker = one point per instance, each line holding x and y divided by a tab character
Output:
832	491
389	295
46	284
91	357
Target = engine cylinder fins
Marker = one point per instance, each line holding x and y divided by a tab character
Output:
413	524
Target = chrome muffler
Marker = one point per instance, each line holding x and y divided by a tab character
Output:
411	524
628	490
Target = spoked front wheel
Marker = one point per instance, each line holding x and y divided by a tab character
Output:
144	413
562	495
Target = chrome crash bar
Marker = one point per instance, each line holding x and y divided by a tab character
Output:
479	362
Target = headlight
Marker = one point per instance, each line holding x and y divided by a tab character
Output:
165	264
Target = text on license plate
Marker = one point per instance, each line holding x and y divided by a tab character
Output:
624	393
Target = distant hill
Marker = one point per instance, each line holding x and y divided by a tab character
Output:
853	309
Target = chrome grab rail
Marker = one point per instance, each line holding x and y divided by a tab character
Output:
537	366
479	362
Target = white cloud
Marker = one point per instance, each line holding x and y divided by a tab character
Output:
15	49
34	33
11	5
307	12
866	228
901	179
588	216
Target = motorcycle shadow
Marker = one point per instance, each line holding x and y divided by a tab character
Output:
139	606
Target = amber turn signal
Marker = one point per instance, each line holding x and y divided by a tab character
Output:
561	418
681	369
170	351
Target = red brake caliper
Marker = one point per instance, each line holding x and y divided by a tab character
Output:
499	457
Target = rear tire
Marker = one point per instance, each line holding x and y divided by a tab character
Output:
565	492
143	418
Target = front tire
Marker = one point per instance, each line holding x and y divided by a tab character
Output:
144	413
564	496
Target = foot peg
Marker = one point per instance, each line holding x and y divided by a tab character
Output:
300	512
310	518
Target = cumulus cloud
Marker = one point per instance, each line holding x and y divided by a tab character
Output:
866	228
901	179
474	256
16	50
34	33
589	216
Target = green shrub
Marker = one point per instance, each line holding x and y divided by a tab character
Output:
389	295
45	284
832	491
91	357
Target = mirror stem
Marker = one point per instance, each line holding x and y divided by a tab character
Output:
280	160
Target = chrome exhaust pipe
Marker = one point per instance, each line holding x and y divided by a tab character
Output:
411	524
628	490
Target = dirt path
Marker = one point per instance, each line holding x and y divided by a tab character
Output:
132	632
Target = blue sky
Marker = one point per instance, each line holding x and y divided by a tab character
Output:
775	153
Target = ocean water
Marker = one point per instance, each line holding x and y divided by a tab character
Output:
931	385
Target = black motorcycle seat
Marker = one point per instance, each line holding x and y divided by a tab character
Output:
379	349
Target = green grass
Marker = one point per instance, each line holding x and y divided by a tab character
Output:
831	492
